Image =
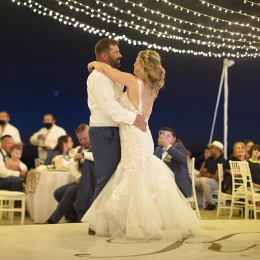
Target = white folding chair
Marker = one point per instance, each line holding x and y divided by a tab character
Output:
224	197
238	187
7	199
193	200
252	198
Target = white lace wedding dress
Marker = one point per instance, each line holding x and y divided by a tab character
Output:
141	201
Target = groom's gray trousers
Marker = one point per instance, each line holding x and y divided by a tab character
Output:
105	145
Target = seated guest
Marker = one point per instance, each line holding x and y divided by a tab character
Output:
248	144
65	144
254	166
79	194
178	141
10	179
188	152
14	161
8	129
206	155
239	154
174	155
208	180
196	172
47	137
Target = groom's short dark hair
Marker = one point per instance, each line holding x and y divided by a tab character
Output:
103	45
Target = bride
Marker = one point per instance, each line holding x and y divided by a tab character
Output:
141	201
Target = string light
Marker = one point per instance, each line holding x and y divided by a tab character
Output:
213	18
175	19
252	3
187	39
147	31
67	20
220	8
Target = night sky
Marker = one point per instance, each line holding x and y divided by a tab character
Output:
44	70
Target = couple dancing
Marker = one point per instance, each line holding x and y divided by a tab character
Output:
141	200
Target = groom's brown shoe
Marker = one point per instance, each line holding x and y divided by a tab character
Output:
91	232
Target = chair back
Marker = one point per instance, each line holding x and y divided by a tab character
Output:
239	173
193	200
220	176
246	175
191	165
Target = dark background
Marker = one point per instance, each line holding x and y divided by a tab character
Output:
44	70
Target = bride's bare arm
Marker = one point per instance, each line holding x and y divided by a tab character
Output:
123	78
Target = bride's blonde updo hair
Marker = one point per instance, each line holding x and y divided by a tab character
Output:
151	70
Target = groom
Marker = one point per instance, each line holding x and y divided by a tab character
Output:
107	114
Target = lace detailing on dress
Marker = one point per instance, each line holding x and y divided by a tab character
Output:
141	200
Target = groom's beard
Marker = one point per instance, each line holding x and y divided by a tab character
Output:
114	63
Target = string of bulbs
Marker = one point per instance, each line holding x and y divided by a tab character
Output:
145	30
227	10
251	3
213	18
175	20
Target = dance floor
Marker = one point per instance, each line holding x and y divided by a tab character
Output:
219	239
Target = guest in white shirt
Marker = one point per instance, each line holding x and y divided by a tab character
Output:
10	179
8	129
47	137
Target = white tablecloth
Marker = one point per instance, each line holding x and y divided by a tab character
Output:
42	203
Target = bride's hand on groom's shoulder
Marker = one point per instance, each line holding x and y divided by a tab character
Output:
91	66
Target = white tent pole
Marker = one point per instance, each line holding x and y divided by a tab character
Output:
224	77
225	112
216	108
227	63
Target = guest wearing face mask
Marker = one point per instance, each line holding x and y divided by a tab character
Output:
8	129
47	137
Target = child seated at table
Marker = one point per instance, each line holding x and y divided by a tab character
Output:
14	162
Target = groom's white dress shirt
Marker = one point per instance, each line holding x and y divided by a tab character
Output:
103	102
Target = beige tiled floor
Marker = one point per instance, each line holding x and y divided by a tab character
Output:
205	215
219	239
